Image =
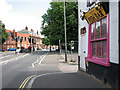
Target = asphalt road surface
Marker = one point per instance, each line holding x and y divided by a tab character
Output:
27	71
15	71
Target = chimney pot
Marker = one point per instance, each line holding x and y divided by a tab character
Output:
13	30
26	28
32	30
37	31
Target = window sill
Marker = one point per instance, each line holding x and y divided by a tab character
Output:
100	61
99	39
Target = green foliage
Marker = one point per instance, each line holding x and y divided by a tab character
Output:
3	35
46	41
53	22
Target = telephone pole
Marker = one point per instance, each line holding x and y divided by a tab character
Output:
65	34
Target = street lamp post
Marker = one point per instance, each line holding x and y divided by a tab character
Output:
65	34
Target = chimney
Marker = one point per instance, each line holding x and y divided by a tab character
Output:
37	32
32	30
26	28
13	30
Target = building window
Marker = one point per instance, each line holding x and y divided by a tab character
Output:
12	40
8	40
18	37
22	38
28	38
98	50
25	38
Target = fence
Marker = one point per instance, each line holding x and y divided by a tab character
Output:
72	51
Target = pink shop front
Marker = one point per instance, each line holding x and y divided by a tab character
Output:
98	58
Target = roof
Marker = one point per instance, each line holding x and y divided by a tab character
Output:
27	32
8	30
24	33
35	36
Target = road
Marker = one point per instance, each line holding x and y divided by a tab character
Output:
16	70
39	70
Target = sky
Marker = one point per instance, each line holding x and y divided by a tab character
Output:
17	14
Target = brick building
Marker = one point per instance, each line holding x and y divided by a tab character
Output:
10	42
14	40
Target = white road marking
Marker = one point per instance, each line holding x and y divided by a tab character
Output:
3	63
13	59
4	56
43	58
40	59
1	58
25	55
35	62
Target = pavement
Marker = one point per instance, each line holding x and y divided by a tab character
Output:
68	77
6	53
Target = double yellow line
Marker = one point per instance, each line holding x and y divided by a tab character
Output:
25	82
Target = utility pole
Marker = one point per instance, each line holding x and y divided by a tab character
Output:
65	34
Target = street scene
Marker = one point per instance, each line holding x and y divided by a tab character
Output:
59	44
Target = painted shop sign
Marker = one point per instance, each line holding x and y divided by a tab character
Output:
96	13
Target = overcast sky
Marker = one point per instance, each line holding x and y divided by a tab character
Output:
17	14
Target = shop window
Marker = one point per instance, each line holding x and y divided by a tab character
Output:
104	28
94	49
105	49
92	31
99	49
97	29
99	42
98	36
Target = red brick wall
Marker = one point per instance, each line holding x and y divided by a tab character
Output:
9	44
26	43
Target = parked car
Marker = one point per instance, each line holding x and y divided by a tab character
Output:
23	50
12	49
30	48
27	50
38	48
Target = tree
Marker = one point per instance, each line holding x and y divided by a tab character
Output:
53	22
3	35
46	41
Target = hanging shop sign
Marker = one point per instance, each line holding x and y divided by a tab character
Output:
95	14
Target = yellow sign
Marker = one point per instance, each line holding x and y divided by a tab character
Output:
95	14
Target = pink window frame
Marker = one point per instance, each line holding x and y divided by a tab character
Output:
100	61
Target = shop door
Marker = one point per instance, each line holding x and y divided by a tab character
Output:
83	52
